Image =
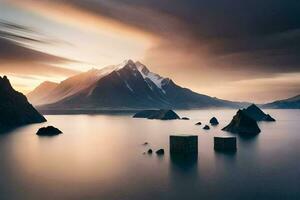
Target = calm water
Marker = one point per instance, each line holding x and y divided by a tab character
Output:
101	157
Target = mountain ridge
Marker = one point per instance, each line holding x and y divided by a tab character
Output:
289	103
129	85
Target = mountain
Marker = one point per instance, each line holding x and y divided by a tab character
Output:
129	85
39	94
15	109
290	103
68	87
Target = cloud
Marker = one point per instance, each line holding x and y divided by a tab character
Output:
262	36
205	43
17	58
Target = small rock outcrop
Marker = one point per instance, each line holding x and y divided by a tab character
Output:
213	121
185	118
206	127
242	124
145	143
198	124
160	152
15	109
149	151
257	114
48	131
157	114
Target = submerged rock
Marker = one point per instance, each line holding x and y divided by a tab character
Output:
157	114
257	114
185	118
149	151
48	131
198	124
15	109
213	121
160	152
242	124
206	127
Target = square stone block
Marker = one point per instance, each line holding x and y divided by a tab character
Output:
225	143
183	144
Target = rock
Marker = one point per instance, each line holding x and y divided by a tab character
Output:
160	152
149	151
268	118
213	121
157	114
242	124
183	144
185	118
206	127
198	124
257	114
48	131
146	143
225	143
15	109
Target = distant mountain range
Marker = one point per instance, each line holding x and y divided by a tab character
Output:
129	85
290	103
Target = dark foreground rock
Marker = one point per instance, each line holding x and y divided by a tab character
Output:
242	124
15	109
213	121
160	152
257	114
225	143
198	124
206	127
149	151
48	131
157	114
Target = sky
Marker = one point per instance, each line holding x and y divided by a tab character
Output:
244	50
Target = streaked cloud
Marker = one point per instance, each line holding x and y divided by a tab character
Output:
204	45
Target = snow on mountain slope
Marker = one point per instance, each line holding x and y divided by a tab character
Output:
155	78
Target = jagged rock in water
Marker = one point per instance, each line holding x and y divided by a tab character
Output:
213	121
206	127
15	109
48	131
149	151
157	114
242	124
185	118
257	114
198	124
160	152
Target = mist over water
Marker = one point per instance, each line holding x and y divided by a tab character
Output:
101	157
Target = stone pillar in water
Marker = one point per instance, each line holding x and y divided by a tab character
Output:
225	143
183	144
